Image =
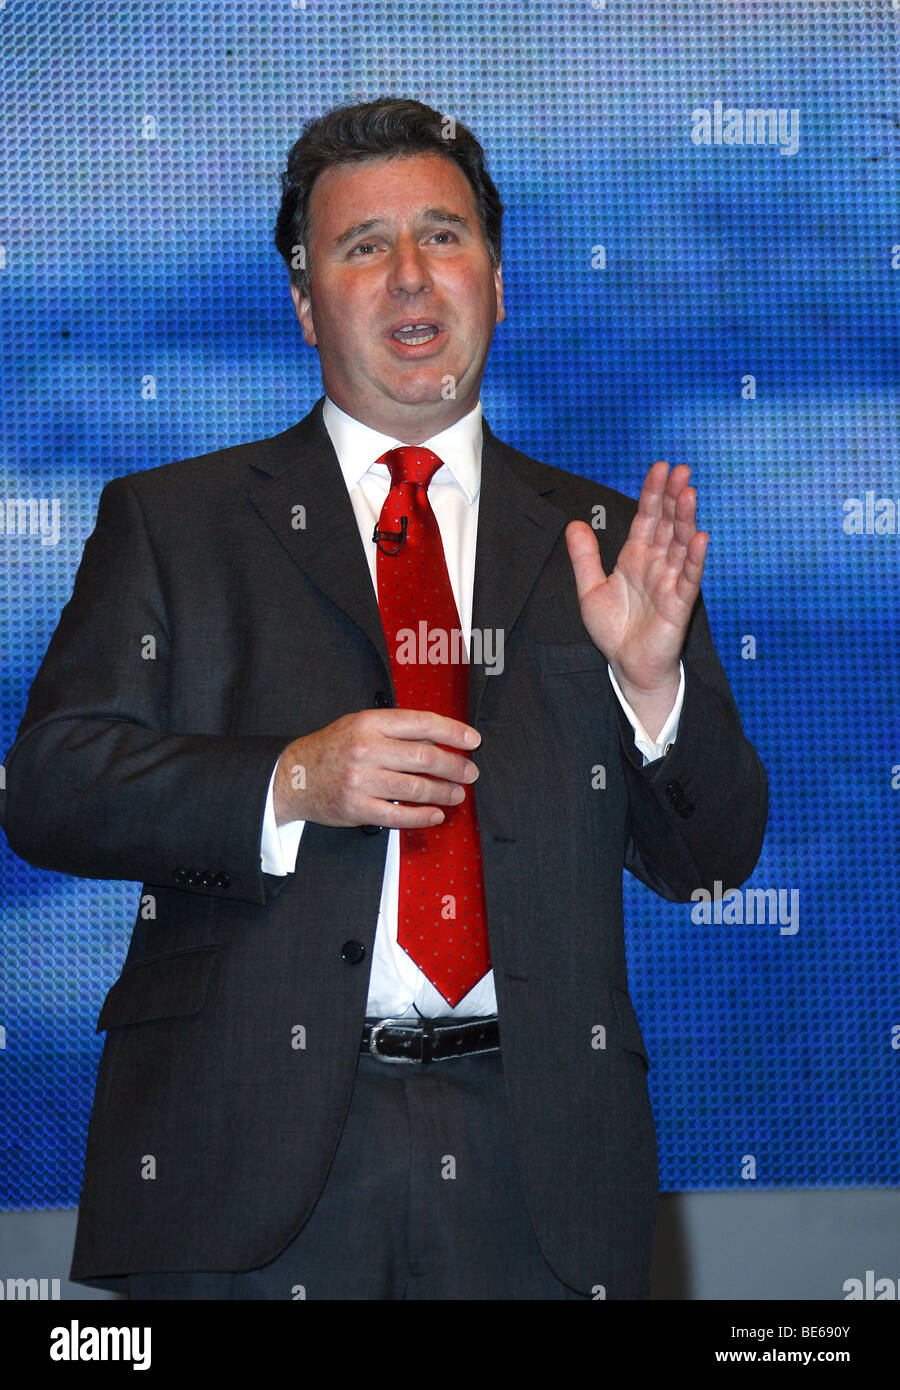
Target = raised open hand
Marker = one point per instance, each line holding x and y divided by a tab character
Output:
638	615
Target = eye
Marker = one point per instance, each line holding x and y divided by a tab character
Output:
449	234
361	245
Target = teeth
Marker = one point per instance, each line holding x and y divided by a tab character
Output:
424	331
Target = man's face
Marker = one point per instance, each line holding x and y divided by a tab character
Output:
394	242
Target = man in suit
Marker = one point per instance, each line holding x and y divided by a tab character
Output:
373	1036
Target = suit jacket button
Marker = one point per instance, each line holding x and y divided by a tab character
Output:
192	878
207	880
352	952
381	699
180	876
222	881
371	829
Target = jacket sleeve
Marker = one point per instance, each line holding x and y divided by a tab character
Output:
97	785
698	814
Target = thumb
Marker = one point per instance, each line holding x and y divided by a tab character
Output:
584	553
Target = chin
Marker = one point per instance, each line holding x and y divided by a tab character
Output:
425	393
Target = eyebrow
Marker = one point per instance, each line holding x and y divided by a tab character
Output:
426	215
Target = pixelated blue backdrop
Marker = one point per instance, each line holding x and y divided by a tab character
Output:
682	283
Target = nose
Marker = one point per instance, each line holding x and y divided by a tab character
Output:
408	269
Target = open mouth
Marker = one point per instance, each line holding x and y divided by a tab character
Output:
412	334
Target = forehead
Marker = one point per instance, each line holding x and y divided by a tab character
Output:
394	188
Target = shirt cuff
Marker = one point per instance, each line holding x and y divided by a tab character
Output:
279	844
642	741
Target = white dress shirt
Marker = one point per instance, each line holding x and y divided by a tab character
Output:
397	987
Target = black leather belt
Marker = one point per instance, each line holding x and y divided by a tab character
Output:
427	1039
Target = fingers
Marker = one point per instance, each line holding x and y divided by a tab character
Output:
423	768
408	802
408	764
584	553
667	511
688	583
425	725
650	512
397	816
678	525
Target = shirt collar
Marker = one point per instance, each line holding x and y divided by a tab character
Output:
358	446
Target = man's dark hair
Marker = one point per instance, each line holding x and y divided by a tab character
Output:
390	126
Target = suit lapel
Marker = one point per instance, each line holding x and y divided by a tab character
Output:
301	469
517	529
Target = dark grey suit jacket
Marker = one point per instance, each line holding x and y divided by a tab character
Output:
150	761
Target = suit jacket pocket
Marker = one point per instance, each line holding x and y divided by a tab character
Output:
561	658
172	986
629	1028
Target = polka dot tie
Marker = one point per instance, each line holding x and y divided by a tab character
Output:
442	916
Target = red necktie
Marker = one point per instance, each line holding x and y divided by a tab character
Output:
442	917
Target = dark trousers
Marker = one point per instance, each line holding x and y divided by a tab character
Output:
423	1201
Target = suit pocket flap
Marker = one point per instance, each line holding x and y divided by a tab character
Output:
560	658
629	1028
168	987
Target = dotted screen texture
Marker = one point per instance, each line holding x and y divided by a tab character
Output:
730	304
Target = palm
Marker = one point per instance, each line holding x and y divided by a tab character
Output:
638	616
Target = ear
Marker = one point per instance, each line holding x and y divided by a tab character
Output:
303	310
498	286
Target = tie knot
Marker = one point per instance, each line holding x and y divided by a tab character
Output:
411	463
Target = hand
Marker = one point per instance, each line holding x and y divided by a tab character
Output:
638	616
354	770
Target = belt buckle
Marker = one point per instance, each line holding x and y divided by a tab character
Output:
382	1023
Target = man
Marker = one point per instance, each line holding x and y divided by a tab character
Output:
373	1036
